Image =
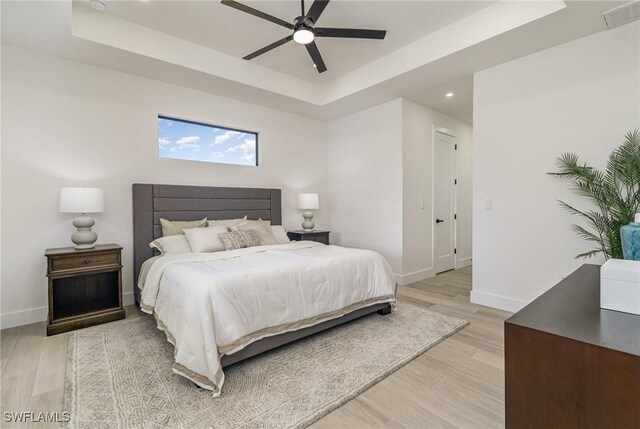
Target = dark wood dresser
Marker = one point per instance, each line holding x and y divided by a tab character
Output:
85	287
570	364
313	235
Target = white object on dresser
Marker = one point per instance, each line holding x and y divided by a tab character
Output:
620	286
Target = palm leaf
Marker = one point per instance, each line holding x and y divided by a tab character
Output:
589	254
613	193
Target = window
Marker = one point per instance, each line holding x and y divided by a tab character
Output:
192	141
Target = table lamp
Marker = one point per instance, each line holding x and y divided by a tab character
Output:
83	201
308	202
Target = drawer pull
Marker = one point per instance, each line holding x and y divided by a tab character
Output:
86	261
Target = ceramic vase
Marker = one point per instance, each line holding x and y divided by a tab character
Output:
630	236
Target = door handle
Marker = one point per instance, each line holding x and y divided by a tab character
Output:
439	220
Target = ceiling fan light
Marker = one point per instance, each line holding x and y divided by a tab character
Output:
303	36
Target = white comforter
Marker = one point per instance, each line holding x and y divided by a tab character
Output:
212	304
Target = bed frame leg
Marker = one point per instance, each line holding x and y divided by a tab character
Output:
384	311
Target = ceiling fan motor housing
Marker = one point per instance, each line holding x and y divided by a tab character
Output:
303	21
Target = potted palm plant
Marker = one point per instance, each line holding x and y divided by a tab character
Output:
614	194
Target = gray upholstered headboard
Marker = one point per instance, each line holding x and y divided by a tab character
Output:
152	202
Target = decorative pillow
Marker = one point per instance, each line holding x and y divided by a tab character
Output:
249	238
177	227
264	224
226	222
261	229
280	234
171	244
205	239
238	239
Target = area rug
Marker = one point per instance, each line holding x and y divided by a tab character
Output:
119	374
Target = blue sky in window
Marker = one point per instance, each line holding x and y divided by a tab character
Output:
194	142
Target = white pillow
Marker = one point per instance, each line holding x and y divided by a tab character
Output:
226	222
171	244
280	234
205	239
245	224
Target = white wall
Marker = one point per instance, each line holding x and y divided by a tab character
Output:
579	97
71	124
365	180
419	123
380	169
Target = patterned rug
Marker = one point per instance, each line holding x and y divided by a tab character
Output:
119	374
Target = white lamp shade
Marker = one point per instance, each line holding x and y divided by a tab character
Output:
81	200
308	201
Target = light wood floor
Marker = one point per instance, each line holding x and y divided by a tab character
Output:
458	383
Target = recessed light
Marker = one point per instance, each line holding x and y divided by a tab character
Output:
315	66
449	94
97	5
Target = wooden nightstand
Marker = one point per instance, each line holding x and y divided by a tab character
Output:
85	287
314	235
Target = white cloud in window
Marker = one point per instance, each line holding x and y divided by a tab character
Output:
248	149
185	140
224	137
189	143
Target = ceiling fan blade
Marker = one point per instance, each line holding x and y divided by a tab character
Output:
316	9
268	48
312	48
255	12
351	33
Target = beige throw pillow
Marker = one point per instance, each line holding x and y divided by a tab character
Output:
177	227
252	223
205	239
238	240
171	244
280	234
261	229
226	222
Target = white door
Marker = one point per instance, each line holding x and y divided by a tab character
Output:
444	202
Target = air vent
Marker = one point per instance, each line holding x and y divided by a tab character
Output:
622	14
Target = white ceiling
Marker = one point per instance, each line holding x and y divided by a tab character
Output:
424	64
224	29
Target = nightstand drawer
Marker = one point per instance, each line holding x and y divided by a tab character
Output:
83	262
324	239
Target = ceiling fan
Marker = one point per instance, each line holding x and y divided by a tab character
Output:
305	30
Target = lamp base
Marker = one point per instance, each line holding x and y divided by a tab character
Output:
84	238
308	224
84	246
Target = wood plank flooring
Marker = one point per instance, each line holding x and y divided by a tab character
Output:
458	383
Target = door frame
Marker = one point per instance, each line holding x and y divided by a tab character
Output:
450	133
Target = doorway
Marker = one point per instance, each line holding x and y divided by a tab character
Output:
444	201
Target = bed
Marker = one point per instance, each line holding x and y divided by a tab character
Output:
152	202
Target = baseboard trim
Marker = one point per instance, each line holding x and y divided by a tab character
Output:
464	262
39	314
127	298
416	276
497	301
23	317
